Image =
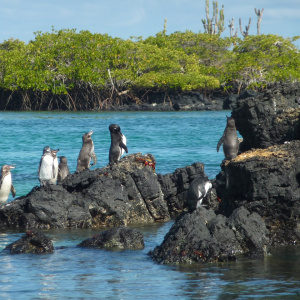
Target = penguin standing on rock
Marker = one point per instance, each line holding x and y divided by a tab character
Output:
229	140
196	192
87	152
6	185
63	169
118	143
46	168
55	166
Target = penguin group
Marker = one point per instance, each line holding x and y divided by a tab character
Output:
51	172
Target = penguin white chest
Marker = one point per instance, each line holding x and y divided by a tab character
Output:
5	188
46	170
124	140
55	171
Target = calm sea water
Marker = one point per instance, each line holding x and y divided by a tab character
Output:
176	139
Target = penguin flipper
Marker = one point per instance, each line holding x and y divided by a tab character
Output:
221	140
53	171
94	157
122	145
40	165
13	191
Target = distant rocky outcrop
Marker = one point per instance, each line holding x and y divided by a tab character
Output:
170	101
119	238
32	242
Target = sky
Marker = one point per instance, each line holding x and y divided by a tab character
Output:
19	19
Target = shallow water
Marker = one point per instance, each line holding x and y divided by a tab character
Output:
176	139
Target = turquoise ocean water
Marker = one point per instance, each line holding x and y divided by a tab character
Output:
176	139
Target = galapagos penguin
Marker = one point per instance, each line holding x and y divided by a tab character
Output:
229	140
46	167
55	166
87	152
118	143
63	169
196	192
6	185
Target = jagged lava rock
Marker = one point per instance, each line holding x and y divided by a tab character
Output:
266	181
31	242
124	193
269	118
175	186
203	236
120	238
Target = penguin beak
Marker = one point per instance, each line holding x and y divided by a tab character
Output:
12	167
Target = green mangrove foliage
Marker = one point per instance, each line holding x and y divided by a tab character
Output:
258	61
89	66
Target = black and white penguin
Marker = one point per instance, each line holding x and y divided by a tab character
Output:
118	143
196	192
6	185
55	166
229	140
63	169
46	167
87	152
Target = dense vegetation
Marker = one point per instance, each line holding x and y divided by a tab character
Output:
69	70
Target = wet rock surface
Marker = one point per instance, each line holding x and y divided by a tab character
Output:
203	236
119	238
31	242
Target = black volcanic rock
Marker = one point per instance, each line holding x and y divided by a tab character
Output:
124	193
31	242
203	236
265	181
175	186
120	238
269	118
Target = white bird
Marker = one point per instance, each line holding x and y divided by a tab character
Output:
6	185
46	167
